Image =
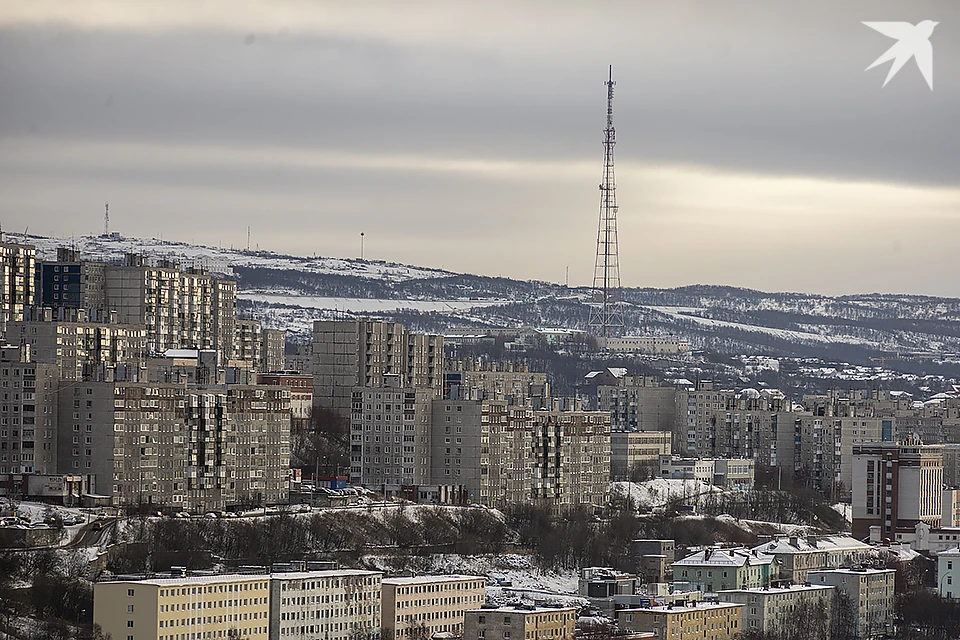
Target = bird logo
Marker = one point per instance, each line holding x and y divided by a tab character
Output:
913	41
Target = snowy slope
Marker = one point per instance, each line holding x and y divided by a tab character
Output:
221	260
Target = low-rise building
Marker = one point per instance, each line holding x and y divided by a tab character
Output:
715	569
775	609
223	606
435	604
948	573
870	593
633	452
520	623
695	621
333	605
722	472
798	555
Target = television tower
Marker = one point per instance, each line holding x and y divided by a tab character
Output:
106	219
606	307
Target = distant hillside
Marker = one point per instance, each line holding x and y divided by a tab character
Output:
291	291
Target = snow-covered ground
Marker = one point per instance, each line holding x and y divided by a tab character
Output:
660	491
844	509
222	260
361	305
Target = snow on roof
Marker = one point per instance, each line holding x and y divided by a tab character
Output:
737	557
431	579
181	353
797	544
778	590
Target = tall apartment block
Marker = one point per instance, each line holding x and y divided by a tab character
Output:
341	604
571	456
455	456
148	295
390	441
272	342
896	486
871	592
224	301
72	283
638	403
513	382
28	414
17	286
224	606
166	444
368	354
81	349
247	342
436	603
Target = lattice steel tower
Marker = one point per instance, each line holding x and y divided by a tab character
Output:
606	307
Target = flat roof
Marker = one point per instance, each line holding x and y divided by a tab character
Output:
521	609
430	579
195	580
326	573
853	572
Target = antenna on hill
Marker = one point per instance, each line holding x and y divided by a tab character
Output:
106	219
361	245
248	237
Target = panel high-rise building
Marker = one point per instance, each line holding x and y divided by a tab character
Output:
17	281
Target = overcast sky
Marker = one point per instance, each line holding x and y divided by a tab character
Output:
753	149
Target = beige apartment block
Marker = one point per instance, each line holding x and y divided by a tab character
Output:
520	623
435	603
871	592
188	608
28	415
775	609
175	446
630	450
17	265
571	456
341	604
82	350
247	342
497	381
223	298
456	435
272	345
695	621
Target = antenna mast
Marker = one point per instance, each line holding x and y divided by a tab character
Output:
606	309
106	219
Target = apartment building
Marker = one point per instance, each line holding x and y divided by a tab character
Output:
651	345
301	394
871	593
81	348
520	622
171	445
247	342
798	555
571	456
273	342
340	604
513	382
17	286
368	354
693	621
455	452
826	452
717	569
390	435
223	297
896	486
721	472
223	606
28	413
434	603
71	283
632	451
776	609
638	403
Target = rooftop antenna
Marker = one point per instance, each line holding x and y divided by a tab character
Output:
106	219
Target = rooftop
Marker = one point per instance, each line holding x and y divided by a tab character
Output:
682	608
521	609
431	579
795	588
